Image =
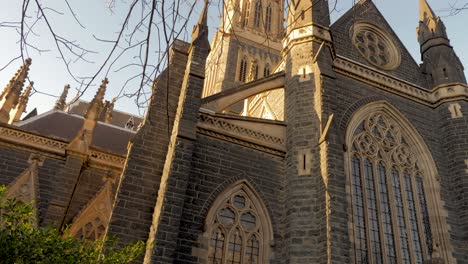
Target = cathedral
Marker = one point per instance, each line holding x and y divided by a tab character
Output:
281	141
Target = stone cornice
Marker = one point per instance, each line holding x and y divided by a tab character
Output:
231	132
29	141
379	79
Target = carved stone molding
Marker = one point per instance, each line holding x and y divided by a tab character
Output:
230	130
27	141
394	85
241	142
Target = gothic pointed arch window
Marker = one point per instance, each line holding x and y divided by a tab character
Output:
266	70
388	185
243	69
268	17
245	16
258	14
238	228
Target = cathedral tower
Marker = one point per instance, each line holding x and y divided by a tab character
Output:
247	44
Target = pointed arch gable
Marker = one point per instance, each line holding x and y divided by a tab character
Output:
93	220
422	153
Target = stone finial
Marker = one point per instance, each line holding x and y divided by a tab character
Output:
425	11
62	101
109	110
200	30
20	108
10	95
96	105
80	144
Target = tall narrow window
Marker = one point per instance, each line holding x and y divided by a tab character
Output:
239	229
390	215
266	70
269	12
245	17
258	14
243	70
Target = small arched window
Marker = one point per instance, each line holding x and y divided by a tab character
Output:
268	18
266	70
258	14
238	228
390	214
243	70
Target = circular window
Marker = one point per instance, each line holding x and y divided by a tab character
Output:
375	46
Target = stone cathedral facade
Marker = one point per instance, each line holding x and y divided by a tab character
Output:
305	143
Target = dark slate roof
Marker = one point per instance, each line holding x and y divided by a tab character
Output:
62	125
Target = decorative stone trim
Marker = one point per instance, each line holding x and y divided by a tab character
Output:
31	140
394	85
241	142
221	126
26	140
106	159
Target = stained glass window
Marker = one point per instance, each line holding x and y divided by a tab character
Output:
390	216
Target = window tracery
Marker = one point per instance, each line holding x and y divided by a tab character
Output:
237	229
390	217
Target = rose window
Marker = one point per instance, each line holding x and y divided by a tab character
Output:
375	46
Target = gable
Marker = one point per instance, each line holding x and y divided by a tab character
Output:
366	13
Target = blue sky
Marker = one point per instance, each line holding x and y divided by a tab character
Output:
50	75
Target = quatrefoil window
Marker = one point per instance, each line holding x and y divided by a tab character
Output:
375	46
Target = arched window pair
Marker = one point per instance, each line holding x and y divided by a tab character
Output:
238	227
387	182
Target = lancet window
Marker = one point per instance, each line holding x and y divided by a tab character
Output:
243	70
238	229
258	14
266	70
268	17
390	214
245	17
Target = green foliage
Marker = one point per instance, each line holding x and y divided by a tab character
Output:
22	242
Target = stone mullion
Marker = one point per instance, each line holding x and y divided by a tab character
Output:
401	173
394	211
417	204
379	209
364	202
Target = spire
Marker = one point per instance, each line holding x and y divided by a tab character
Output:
430	25
62	101
96	105
200	30
425	11
440	61
306	12
83	139
20	108
10	95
